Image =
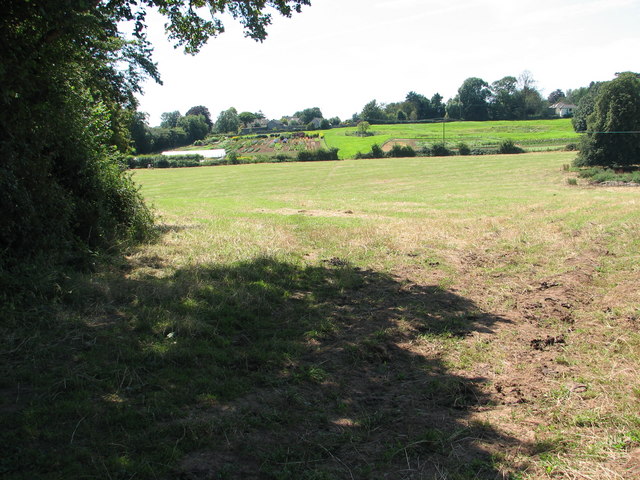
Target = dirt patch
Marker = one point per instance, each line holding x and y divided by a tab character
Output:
312	212
403	142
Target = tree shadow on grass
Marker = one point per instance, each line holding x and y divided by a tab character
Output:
261	369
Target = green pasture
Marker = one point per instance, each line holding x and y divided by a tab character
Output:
532	134
361	319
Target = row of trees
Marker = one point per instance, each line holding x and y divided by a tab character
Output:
177	130
414	107
509	98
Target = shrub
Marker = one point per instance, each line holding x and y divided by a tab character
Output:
317	155
601	175
463	149
507	146
570	147
572	181
281	158
440	150
402	151
164	161
376	151
232	158
483	151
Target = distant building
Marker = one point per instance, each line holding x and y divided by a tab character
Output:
275	125
564	109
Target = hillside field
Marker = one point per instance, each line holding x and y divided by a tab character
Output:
533	135
424	318
530	134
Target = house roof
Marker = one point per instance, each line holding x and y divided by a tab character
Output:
563	105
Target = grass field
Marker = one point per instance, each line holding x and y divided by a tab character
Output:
424	318
531	134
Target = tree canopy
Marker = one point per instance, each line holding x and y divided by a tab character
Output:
67	95
372	112
170	119
201	110
228	121
473	96
308	114
612	137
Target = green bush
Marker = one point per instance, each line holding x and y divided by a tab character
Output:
232	158
507	147
375	152
165	161
280	158
463	149
601	175
440	150
401	151
317	155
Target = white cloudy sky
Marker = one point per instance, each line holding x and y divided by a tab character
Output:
340	54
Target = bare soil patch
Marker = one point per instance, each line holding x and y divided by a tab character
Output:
313	212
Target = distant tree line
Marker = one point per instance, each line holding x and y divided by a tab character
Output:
509	98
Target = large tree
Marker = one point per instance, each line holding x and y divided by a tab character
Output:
612	137
195	126
308	114
504	99
372	112
531	103
228	121
556	96
473	94
247	118
420	105
68	80
586	105
170	119
437	107
201	110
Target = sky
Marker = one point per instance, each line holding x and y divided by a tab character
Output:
340	54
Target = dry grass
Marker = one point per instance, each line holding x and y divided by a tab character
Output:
454	319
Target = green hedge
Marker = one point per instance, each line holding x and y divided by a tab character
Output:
165	161
317	155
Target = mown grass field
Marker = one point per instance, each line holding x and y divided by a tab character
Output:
531	134
424	318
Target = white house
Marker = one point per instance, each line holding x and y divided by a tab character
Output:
563	109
